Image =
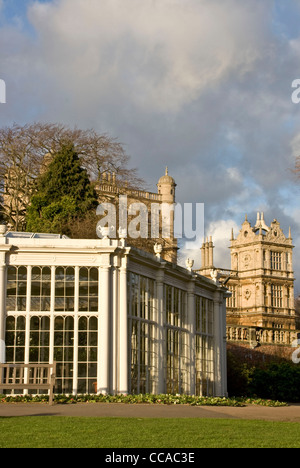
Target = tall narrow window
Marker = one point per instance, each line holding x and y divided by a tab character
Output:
39	339
204	351
88	289
16	288
64	289
40	289
142	334
64	353
87	354
276	260
276	295
177	341
231	301
15	339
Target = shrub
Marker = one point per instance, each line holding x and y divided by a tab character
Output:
278	381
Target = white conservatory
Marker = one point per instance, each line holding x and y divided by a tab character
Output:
115	319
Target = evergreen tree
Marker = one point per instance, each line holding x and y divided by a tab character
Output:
63	194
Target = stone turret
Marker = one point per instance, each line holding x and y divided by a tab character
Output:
166	188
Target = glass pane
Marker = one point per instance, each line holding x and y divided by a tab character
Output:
36	274
82	370
82	338
59	274
11	273
58	356
59	323
22	288
83	304
46	289
34	354
93	289
93	338
46	274
92	370
83	274
83	289
82	323
59	304
94	274
69	323
45	304
93	323
35	288
34	338
58	339
10	323
93	354
93	305
20	354
69	289
45	323
68	354
70	274
11	288
69	338
59	289
10	338
82	354
21	323
22	273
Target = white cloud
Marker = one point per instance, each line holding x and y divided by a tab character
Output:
203	86
162	54
220	232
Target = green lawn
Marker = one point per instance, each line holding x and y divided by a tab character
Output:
72	432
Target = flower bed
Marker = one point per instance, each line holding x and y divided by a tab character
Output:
164	399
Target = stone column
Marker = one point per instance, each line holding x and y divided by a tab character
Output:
76	310
161	331
104	326
220	362
191	315
2	309
3	250
123	330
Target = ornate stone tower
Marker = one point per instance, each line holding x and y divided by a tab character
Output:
166	189
262	281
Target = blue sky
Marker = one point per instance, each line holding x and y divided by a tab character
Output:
200	86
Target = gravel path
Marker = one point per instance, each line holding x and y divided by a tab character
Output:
289	413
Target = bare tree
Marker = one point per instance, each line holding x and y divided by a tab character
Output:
25	152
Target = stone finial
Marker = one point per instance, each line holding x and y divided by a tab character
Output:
158	250
215	276
3	230
189	264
